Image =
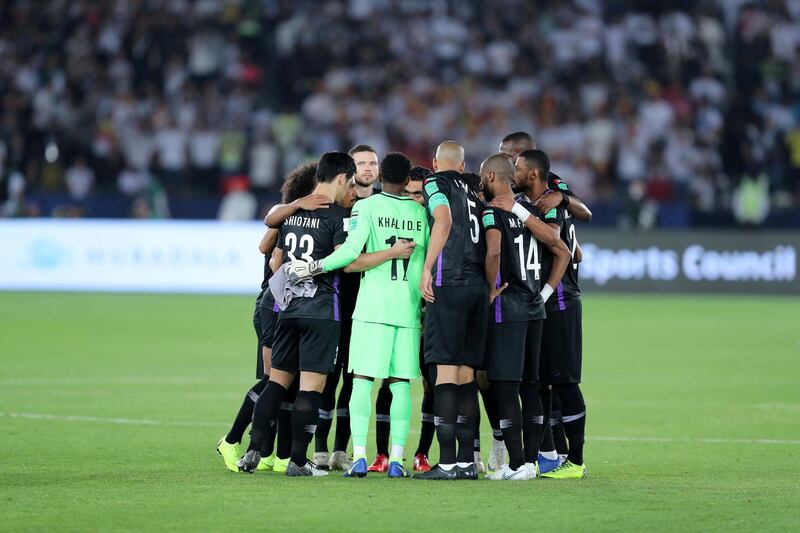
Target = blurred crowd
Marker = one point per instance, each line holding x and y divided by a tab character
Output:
648	106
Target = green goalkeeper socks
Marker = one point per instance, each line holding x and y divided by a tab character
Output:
400	415
360	412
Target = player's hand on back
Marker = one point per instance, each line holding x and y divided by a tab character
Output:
312	202
503	201
426	286
402	249
299	271
494	292
549	200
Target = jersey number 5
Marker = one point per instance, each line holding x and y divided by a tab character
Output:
474	228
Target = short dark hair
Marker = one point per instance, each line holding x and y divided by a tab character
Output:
361	148
299	182
537	159
395	168
518	136
473	181
331	164
419	173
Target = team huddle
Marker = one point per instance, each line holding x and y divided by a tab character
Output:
469	281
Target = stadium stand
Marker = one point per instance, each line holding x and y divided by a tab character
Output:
660	114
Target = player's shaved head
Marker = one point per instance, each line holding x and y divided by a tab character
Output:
449	156
515	143
497	173
500	165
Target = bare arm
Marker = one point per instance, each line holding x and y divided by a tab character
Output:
278	214
491	264
542	231
268	241
276	260
578	209
402	249
442	222
553	199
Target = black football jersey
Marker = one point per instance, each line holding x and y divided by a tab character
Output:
567	291
520	267
311	236
461	259
351	280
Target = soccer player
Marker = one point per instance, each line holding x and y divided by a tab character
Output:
514	241
228	446
307	332
512	145
561	357
413	190
456	310
366	160
297	184
386	321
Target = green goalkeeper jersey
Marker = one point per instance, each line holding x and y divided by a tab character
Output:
389	293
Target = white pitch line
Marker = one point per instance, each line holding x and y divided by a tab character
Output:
107	420
24	382
190	423
702	440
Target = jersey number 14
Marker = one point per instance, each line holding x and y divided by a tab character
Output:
529	262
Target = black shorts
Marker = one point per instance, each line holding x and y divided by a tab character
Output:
455	325
269	317
305	344
345	331
562	346
512	351
423	367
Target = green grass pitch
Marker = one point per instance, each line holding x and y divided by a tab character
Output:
111	406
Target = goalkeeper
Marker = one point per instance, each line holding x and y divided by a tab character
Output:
386	321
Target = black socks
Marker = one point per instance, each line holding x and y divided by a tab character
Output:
304	423
507	397
382	424
490	405
284	446
245	414
265	412
343	414
427	430
445	411
573	416
532	420
326	412
466	421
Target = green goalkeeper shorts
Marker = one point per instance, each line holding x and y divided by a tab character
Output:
383	351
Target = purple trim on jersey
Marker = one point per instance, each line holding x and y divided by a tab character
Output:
439	270
498	303
336	297
560	292
275	308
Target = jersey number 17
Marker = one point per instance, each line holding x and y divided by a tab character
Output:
391	241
